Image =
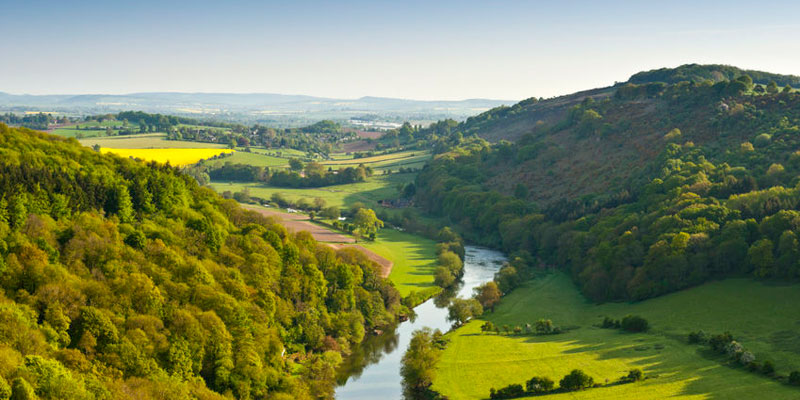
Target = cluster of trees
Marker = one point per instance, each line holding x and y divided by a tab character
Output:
541	385
720	199
318	138
630	323
450	257
313	174
541	327
33	121
418	368
725	344
120	279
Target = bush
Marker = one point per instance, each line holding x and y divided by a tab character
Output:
697	337
508	392
634	375
634	323
718	342
539	384
768	368
794	378
576	380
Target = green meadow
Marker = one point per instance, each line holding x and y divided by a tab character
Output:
377	187
251	158
764	318
414	259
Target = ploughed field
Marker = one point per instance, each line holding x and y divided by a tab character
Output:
763	317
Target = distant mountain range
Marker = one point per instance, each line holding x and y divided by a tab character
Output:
255	107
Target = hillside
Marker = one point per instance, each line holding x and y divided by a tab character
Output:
654	188
125	280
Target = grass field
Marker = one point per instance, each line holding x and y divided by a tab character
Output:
765	319
254	159
414	259
408	159
176	157
368	192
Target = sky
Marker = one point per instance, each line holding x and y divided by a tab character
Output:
426	50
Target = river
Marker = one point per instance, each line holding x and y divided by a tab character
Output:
373	370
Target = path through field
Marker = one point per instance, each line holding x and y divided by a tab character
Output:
299	222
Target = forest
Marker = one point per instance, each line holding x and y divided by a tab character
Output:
120	279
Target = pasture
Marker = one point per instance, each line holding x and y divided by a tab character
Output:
375	188
252	158
414	259
176	156
764	318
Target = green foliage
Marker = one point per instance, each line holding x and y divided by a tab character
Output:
576	380
419	364
124	277
634	323
539	384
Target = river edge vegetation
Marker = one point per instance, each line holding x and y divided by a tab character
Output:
124	279
727	161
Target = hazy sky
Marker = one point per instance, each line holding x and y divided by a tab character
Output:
409	49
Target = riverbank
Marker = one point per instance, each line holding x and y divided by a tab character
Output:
373	370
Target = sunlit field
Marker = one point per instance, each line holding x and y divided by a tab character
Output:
176	157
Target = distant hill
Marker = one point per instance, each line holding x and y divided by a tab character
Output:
288	110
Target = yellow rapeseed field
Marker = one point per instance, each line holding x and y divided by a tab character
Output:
176	157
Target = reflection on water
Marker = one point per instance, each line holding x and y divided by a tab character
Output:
373	370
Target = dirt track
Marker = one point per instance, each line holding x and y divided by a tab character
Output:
300	222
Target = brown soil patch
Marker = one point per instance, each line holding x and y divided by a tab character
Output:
358	145
369	134
300	222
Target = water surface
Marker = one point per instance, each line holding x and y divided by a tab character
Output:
373	370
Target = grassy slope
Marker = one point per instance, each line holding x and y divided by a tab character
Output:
760	316
414	259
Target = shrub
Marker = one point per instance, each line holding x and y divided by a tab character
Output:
517	330
718	342
576	380
508	392
753	366
608	323
768	368
634	375
794	378
634	323
539	384
697	337
544	326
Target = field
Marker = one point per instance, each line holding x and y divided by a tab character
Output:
146	141
176	157
95	128
408	159
254	159
375	188
414	259
763	318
